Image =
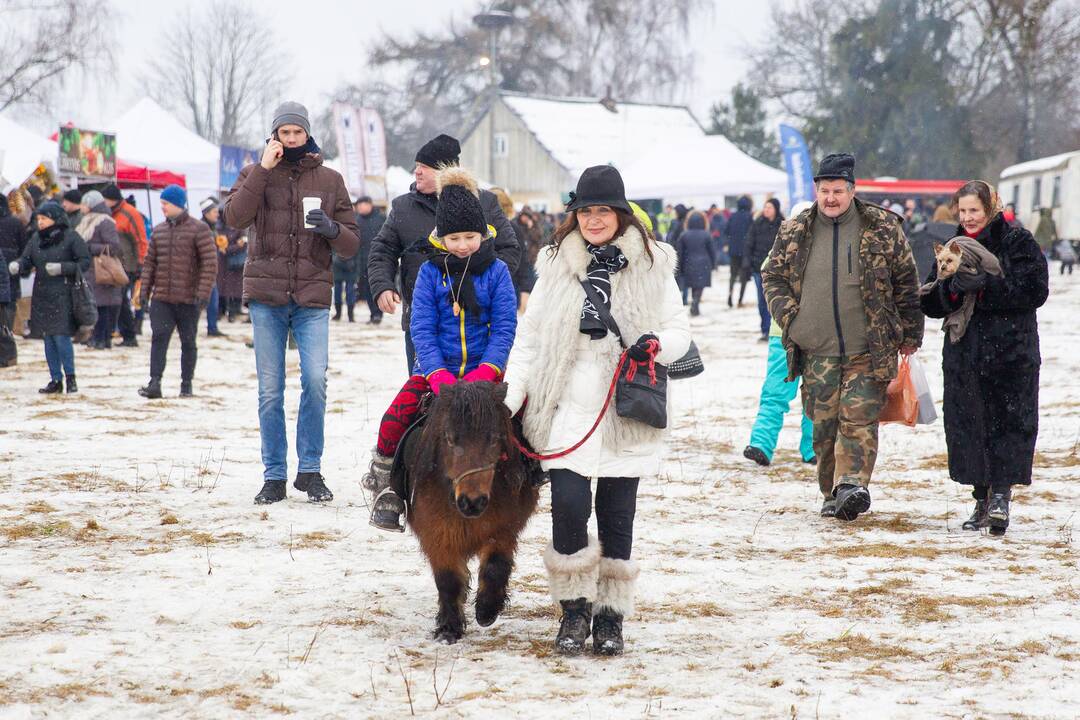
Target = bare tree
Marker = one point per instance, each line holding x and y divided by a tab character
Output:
41	40
220	69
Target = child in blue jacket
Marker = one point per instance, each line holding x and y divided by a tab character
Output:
464	316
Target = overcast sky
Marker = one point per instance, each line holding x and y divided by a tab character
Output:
329	39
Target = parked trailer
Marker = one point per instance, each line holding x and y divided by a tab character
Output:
1052	182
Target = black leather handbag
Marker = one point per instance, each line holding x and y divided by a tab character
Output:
641	390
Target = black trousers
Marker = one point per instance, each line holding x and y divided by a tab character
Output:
125	323
103	330
164	318
571	506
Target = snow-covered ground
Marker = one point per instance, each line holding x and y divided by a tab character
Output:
139	580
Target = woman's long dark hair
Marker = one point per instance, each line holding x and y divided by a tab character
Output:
626	220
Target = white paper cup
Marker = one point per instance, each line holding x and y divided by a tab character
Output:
310	203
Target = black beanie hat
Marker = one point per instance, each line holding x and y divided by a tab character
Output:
439	152
111	192
459	207
73	195
599	185
52	210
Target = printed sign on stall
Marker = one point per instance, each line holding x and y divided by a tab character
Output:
87	153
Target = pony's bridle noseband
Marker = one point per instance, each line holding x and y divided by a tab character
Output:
475	471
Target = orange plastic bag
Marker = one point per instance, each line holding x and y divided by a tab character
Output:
901	399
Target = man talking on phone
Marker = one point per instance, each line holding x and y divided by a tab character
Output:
301	213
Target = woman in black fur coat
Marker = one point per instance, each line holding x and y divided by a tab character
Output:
991	398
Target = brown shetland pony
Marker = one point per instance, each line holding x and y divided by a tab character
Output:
470	497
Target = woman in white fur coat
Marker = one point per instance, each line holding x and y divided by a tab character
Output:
562	363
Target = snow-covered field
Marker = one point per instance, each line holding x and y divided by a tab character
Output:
139	580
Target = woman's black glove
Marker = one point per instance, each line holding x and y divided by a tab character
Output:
645	348
966	282
323	224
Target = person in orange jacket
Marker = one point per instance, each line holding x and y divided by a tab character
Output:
133	245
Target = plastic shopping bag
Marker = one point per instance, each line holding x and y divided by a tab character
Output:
927	411
901	399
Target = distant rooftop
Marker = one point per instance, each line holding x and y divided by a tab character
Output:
1039	165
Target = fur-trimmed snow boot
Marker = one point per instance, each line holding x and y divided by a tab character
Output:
573	580
614	601
386	506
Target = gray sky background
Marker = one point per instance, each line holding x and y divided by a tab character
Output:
329	39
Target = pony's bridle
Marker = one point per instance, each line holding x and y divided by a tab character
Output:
475	471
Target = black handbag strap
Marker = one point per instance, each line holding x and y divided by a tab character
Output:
602	311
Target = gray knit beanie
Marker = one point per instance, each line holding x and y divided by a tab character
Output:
291	113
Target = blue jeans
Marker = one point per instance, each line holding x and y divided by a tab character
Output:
311	329
762	306
776	397
212	311
59	352
349	287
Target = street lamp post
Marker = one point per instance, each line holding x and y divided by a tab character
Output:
493	21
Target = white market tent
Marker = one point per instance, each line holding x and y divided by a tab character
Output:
21	151
149	135
698	171
581	132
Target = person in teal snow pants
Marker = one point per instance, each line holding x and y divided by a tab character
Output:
776	397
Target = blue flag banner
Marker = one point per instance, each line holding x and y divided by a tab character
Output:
233	160
797	164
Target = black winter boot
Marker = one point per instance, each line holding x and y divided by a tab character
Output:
978	519
756	454
185	389
54	387
851	501
352	313
152	391
314	485
272	491
574	628
997	513
337	311
72	386
607	633
828	507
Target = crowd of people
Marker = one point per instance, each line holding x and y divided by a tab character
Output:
551	307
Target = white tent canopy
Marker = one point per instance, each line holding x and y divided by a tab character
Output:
699	171
147	134
21	151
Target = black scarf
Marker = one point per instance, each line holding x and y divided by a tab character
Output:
461	283
606	261
296	154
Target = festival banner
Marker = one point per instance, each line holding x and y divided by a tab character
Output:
797	164
86	153
361	143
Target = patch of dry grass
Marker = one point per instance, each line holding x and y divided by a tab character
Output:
39	506
849	645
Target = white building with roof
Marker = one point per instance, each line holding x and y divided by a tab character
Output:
1050	182
536	147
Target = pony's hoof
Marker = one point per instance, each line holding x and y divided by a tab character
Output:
488	612
447	636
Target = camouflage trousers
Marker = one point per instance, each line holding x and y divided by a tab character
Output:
843	400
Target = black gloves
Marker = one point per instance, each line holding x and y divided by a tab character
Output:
642	350
966	282
323	224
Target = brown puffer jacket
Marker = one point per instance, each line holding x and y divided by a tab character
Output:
287	261
181	264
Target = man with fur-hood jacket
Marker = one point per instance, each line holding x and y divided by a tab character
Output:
402	246
842	284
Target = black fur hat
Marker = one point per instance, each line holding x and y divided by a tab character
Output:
439	152
838	166
459	207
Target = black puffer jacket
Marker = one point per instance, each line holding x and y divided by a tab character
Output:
50	310
759	241
13	239
738	225
402	245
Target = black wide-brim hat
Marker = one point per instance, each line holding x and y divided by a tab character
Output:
837	166
599	185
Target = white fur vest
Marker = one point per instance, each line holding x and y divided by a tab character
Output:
543	359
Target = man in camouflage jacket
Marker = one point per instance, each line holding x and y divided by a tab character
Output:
842	284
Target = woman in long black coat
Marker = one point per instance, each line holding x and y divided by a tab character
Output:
991	397
697	258
57	253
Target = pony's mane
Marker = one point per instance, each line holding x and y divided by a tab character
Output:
477	408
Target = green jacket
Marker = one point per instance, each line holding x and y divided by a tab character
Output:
890	285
